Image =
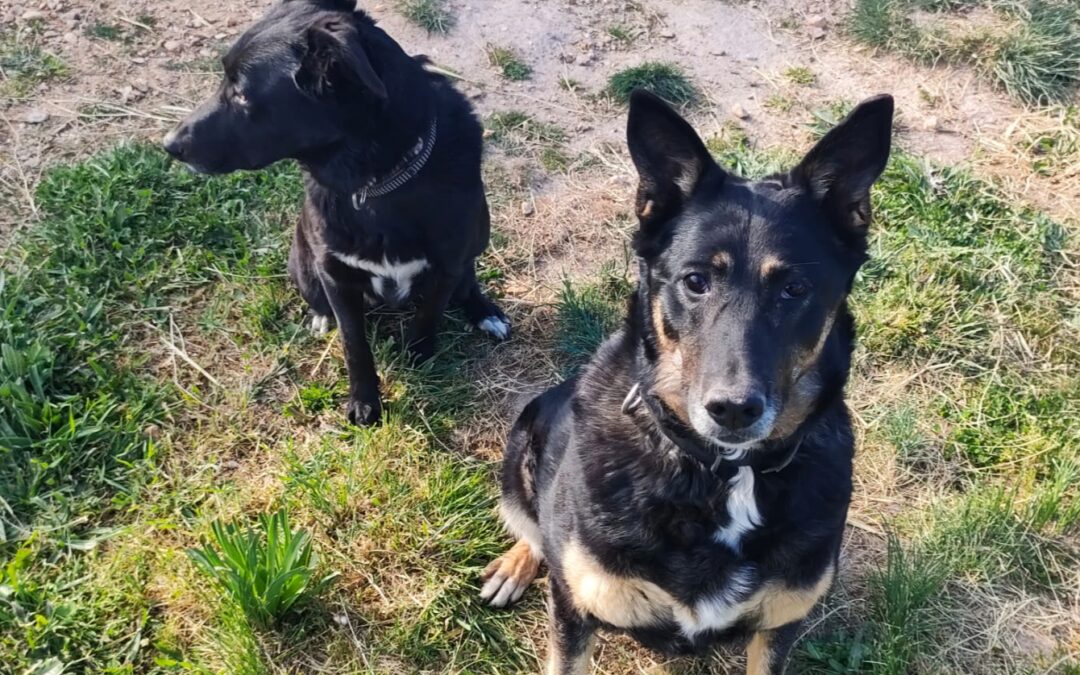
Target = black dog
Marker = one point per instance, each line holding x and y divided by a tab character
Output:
693	482
395	207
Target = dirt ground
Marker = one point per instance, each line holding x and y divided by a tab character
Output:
136	84
160	61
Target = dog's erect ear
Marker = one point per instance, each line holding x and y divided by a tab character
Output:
669	156
840	169
333	49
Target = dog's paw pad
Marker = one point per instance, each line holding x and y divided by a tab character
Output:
496	326
321	324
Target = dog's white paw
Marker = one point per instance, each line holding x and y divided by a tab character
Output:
502	591
321	324
495	326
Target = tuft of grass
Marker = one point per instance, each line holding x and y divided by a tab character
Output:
902	598
520	134
106	31
267	571
620	34
588	313
508	63
24	63
431	15
1036	59
800	75
666	80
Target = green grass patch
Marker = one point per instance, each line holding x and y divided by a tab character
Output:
800	75
521	134
666	80
1031	49
620	34
431	15
588	313
106	31
25	63
268	571
508	63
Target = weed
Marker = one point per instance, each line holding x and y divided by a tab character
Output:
106	31
780	103
800	75
265	571
587	314
666	80
508	63
431	15
24	64
620	34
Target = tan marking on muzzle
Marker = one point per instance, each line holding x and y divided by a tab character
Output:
668	383
805	385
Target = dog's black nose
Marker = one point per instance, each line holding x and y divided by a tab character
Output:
737	412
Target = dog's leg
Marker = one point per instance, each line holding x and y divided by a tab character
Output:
425	323
507	577
303	271
767	653
363	407
479	310
572	636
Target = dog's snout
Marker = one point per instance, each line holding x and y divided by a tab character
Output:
174	143
736	412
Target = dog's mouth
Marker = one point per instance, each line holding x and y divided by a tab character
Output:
732	440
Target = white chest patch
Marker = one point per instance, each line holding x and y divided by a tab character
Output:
390	281
743	509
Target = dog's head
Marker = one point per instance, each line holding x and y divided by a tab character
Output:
742	280
291	84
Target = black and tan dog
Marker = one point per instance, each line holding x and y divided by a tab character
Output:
692	484
395	208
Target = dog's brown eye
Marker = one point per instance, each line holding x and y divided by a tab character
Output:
796	289
696	283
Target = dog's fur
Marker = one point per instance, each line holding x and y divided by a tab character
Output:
320	83
692	484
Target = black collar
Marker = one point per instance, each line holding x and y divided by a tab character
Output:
771	458
406	169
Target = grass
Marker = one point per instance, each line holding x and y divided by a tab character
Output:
522	135
509	65
800	75
1031	50
431	15
105	31
666	80
267	572
620	34
117	455
25	63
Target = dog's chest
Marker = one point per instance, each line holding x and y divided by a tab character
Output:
391	280
706	586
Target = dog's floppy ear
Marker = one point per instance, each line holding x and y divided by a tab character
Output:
333	48
669	156
840	169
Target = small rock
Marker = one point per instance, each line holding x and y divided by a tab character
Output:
219	36
718	52
667	34
206	52
931	123
74	15
738	111
583	127
33	15
341	619
527	208
815	32
35	116
139	60
817	20
585	58
172	45
232	20
71	37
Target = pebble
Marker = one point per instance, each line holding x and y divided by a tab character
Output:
71	37
35	116
667	34
815	32
817	20
172	45
738	111
527	208
33	15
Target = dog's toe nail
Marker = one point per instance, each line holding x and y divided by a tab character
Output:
320	324
495	326
506	594
492	587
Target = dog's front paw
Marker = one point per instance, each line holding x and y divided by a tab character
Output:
497	326
321	324
363	413
507	577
